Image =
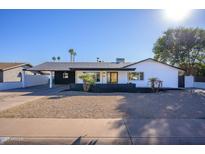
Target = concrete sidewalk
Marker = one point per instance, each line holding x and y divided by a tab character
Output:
102	131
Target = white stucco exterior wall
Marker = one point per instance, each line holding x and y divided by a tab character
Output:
167	74
122	76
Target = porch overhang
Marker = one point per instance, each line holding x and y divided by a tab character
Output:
39	69
84	69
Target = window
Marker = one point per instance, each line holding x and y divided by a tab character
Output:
65	75
112	77
96	75
136	75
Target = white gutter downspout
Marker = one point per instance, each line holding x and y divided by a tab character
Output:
23	78
50	80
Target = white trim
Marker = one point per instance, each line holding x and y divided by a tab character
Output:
150	59
50	80
23	78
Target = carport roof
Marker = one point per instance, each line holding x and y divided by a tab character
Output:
65	66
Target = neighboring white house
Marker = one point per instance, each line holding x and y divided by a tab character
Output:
118	72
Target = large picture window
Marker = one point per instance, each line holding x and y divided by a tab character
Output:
96	75
136	75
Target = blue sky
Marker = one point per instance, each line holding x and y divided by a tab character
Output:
35	36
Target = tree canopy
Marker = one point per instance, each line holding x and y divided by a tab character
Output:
183	47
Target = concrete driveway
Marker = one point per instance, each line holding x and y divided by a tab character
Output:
11	98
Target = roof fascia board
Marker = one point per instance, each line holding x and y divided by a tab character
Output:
154	61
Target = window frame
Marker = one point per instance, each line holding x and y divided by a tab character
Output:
96	76
109	78
65	76
140	74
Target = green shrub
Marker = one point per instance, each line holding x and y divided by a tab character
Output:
88	80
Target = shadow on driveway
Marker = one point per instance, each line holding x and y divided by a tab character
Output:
41	90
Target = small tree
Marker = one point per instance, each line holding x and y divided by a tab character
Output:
155	84
88	80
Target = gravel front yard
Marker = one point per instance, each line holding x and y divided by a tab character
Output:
70	104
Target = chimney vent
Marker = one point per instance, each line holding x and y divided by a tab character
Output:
120	60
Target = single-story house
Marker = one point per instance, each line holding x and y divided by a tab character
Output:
119	72
11	72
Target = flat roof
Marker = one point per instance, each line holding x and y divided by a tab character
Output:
65	66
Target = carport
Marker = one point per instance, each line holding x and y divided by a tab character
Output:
55	77
59	73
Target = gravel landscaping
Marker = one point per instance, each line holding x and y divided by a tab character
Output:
73	104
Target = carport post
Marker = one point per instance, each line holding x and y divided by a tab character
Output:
23	78
51	80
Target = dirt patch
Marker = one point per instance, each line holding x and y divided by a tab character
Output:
71	104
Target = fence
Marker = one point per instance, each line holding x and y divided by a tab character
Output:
10	85
34	80
194	82
29	80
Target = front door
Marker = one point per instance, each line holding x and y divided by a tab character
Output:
112	77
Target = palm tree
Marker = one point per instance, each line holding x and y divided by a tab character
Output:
54	58
58	58
74	54
155	84
71	51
